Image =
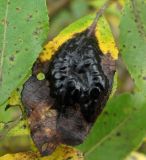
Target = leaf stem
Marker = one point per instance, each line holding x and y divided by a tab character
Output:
98	15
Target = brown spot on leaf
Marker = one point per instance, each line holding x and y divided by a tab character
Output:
18	9
17	51
5	22
124	45
118	134
106	113
12	58
29	17
20	40
37	31
24	126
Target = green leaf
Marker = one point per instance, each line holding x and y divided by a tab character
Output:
79	8
133	41
23	29
119	130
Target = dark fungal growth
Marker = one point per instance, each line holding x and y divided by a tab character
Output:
78	80
76	76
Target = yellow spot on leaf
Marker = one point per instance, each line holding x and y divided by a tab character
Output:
40	76
14	99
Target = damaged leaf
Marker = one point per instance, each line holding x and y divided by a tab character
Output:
78	67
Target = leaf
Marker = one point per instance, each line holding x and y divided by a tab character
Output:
22	156
61	153
23	29
133	41
18	139
15	137
103	35
119	130
104	38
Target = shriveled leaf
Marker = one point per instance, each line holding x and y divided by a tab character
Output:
18	139
23	29
133	41
119	130
101	43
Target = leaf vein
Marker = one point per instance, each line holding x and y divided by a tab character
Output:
106	137
4	40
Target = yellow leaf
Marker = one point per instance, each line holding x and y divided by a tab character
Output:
61	153
20	156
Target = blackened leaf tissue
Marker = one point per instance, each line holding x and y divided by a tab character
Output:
63	107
